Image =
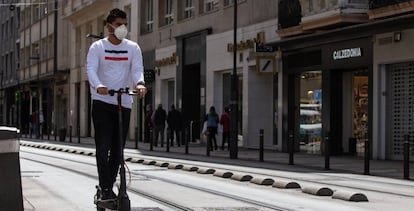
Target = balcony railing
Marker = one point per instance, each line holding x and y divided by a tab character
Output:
374	4
312	7
289	11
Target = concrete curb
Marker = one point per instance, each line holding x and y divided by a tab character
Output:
205	171
137	160
262	181
175	166
149	162
285	184
189	168
161	164
241	177
349	196
318	191
223	173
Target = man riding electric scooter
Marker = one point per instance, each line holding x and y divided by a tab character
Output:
113	63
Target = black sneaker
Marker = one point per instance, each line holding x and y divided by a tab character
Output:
107	195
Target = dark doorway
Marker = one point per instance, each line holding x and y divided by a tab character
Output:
191	98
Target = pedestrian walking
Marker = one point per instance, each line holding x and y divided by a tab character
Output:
148	127
159	117
175	125
113	62
212	120
225	122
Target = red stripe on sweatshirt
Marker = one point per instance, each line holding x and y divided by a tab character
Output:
116	58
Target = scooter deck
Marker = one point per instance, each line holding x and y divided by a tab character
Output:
108	204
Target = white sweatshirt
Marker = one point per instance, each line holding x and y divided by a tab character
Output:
114	66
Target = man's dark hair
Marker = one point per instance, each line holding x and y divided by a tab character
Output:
114	14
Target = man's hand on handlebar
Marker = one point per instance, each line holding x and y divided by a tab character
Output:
141	90
103	90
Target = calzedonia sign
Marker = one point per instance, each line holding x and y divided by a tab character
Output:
347	53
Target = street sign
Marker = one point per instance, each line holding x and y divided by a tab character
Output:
262	48
266	64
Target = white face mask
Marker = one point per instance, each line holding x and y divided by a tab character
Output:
121	32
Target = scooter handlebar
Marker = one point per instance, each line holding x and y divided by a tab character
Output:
126	90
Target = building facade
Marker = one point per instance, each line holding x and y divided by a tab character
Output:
187	58
347	68
43	70
9	50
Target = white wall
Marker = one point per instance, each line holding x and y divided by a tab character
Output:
394	52
257	89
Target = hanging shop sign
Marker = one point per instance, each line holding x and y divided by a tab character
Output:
247	44
166	61
346	53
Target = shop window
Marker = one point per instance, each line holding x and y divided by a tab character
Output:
310	119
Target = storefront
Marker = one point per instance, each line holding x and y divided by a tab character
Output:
394	112
327	88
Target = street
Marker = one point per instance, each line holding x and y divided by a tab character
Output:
58	180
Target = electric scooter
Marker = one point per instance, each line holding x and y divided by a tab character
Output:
122	203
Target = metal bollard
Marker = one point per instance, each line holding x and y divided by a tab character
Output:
151	139
261	145
407	156
168	139
290	146
78	135
10	178
187	138
55	133
70	133
208	146
366	155
327	152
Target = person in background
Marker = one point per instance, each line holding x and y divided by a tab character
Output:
212	123
175	124
148	127
113	62
159	117
225	122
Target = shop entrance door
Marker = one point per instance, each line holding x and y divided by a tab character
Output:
400	108
191	103
354	111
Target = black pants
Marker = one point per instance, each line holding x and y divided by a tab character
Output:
211	138
108	152
177	134
226	137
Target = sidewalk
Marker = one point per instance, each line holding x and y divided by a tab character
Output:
250	157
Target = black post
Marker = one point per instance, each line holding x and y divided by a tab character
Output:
208	146
261	145
151	139
136	137
366	155
327	151
234	93
78	134
407	156
291	144
48	131
70	133
55	131
168	139
139	122
187	139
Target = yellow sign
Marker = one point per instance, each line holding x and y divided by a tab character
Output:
266	64
166	61
247	44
